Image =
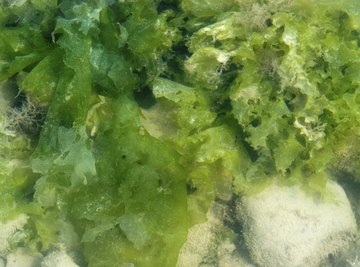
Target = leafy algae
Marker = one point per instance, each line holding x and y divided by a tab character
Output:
238	92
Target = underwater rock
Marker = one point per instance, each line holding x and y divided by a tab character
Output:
201	241
9	228
208	243
230	256
21	258
58	259
285	227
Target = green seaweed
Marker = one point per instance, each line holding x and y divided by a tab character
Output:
145	112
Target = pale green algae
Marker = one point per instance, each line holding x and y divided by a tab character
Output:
149	110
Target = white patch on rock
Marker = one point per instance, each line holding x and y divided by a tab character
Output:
222	58
199	243
229	256
7	229
20	258
285	227
206	246
201	239
58	259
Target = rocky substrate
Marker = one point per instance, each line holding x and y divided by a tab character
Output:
22	258
281	226
285	227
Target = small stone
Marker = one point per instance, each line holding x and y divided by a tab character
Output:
207	245
22	258
58	259
200	242
285	227
8	228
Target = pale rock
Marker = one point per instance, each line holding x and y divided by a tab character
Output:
285	227
58	259
205	246
7	229
201	239
20	258
199	243
229	256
